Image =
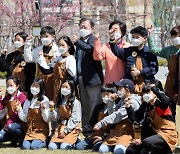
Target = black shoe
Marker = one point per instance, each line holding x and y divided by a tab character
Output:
14	143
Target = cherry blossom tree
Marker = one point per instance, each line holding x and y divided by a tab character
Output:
22	15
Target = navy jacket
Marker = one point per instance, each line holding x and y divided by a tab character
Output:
149	61
90	69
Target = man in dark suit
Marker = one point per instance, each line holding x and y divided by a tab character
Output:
90	75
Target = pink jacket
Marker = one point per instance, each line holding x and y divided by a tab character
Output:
115	67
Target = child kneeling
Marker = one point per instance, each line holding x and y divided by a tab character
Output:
68	116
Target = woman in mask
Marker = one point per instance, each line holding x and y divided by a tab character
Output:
114	66
13	128
68	116
63	66
158	131
170	53
15	64
35	113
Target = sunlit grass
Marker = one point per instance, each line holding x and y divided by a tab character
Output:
6	149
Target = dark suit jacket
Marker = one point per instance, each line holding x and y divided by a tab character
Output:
90	69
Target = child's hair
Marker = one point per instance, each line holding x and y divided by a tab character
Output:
139	30
71	97
121	24
41	84
69	43
109	88
23	35
157	83
16	81
175	31
48	30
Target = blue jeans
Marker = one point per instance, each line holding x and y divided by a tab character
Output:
63	146
117	149
14	131
87	144
33	144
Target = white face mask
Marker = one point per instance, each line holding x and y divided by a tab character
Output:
46	41
147	97
18	44
83	33
62	50
106	100
117	35
11	90
120	94
35	90
136	42
176	41
65	91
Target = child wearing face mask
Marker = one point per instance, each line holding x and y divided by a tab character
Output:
35	113
170	53
140	64
43	55
158	132
68	115
121	135
114	66
14	128
95	138
14	63
63	66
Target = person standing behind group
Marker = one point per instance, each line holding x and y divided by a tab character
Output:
14	128
15	64
170	53
43	55
115	67
141	65
35	113
91	76
62	67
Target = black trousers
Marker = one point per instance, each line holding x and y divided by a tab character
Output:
154	144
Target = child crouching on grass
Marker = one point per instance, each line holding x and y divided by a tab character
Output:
36	113
68	116
158	134
13	128
95	139
121	135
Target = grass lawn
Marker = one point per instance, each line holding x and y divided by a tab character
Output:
5	149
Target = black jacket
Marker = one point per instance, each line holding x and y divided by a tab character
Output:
142	114
11	61
90	69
